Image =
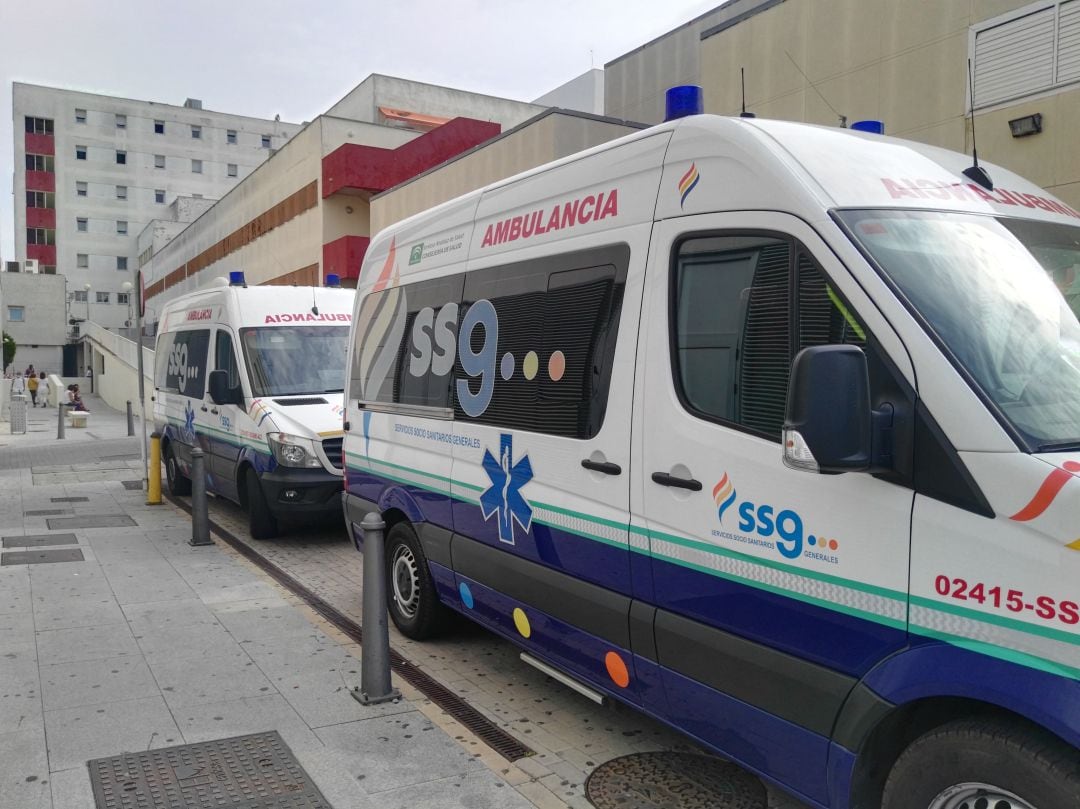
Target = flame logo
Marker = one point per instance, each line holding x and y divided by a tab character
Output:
724	495
688	183
1053	484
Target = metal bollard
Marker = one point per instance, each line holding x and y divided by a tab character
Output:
200	520
375	686
60	420
153	482
131	419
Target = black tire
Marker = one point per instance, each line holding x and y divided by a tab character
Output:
261	523
179	484
411	599
984	763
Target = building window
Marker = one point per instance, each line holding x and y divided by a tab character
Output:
122	298
82	261
82	224
121	157
80	294
121	122
39	126
266	141
15	314
196	167
121	192
232	169
102	297
40	199
121	227
159	127
80	189
159	195
159	161
80	153
196	132
39	162
230	136
80	116
121	262
40	236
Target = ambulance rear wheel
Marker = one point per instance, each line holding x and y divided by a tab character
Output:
179	484
411	600
984	764
261	523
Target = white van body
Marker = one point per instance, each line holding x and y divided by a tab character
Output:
273	440
572	399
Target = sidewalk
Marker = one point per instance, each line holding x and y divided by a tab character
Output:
145	642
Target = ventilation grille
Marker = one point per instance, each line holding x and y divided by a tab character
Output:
311	400
766	351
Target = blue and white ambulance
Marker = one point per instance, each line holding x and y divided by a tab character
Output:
769	430
254	377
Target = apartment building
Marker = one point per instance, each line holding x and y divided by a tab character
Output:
91	171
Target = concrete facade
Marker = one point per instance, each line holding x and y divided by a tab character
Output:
40	324
903	62
584	94
91	207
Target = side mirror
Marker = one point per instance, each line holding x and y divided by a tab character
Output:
829	424
220	391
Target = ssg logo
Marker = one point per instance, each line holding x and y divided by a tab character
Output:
503	497
765	527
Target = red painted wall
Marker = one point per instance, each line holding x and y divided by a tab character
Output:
40	181
40	144
343	256
44	253
372	169
40	217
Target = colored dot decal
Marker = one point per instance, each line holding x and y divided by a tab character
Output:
506	367
521	621
466	595
531	365
557	366
812	540
616	669
833	544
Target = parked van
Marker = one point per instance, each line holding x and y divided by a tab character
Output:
254	377
769	430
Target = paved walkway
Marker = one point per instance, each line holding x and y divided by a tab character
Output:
147	642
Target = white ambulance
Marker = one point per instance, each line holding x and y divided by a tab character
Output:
769	430
254	376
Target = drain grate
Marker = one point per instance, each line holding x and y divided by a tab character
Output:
670	780
69	499
46	512
134	457
40	557
491	734
247	772
91	521
39	540
132	484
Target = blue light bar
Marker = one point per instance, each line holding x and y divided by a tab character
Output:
683	100
236	278
333	280
876	127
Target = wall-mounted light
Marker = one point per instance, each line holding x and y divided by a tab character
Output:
1028	125
348	209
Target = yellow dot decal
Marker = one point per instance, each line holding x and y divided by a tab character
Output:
531	365
557	366
521	621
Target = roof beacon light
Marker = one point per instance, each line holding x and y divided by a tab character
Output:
333	280
876	127
686	99
236	279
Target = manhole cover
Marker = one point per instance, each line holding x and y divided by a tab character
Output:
40	557
253	772
91	521
38	540
666	780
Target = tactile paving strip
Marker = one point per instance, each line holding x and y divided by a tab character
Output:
671	780
243	772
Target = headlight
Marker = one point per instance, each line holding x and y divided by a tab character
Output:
292	450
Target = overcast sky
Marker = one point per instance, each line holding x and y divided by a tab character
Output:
297	58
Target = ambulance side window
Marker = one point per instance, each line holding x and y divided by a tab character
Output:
185	363
743	306
225	357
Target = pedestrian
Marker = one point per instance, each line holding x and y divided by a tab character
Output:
18	384
32	386
89	372
43	389
76	399
30	371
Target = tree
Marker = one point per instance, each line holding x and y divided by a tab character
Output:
9	349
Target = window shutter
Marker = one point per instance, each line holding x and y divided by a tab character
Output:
1015	58
1069	42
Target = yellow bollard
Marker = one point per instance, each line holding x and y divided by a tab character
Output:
153	494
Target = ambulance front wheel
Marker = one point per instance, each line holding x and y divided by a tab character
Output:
984	763
261	523
179	484
411	600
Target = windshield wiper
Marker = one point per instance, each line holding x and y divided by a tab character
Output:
1058	446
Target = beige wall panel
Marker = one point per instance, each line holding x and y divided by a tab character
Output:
1050	158
841	35
951	134
1062	125
911	24
988	9
855	94
924	86
338	222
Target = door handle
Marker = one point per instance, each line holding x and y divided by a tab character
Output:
664	479
602	466
213	410
204	408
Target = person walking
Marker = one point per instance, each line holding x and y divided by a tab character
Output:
43	389
32	386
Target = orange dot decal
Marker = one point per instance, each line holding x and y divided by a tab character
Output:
833	544
616	669
557	366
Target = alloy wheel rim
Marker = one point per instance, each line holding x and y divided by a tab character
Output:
406	581
978	796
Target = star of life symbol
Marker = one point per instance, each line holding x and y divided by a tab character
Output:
503	498
189	423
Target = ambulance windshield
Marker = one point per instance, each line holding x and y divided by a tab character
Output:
294	360
1001	297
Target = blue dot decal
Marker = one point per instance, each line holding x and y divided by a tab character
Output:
506	367
812	539
466	595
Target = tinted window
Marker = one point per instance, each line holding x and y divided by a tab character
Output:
225	357
180	362
294	360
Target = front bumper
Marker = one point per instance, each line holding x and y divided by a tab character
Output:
292	493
